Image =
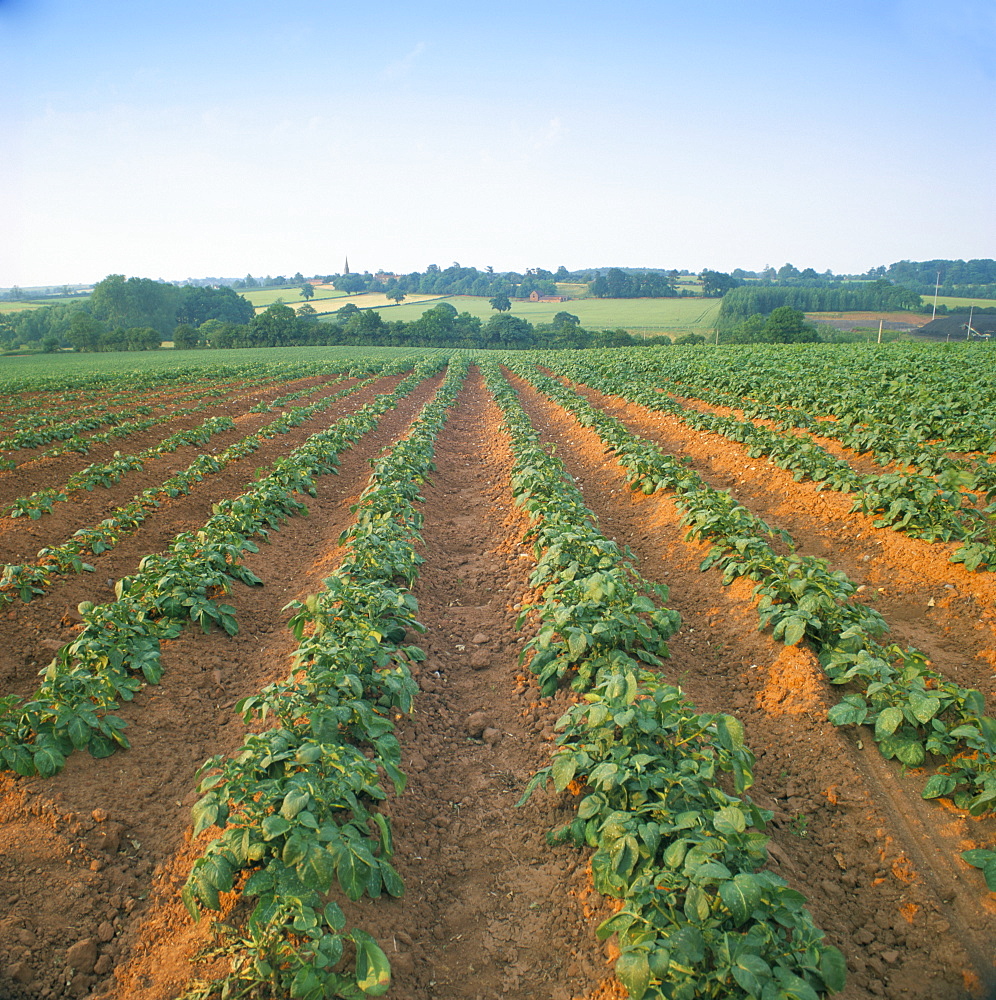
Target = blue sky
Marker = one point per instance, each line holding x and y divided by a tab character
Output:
186	139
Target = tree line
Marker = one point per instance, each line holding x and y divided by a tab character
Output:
125	315
880	295
616	283
441	326
968	278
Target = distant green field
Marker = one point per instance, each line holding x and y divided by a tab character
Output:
28	304
262	297
953	302
125	364
639	316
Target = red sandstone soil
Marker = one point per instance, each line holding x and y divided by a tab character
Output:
91	861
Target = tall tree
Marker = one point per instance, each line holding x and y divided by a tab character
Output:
136	302
715	284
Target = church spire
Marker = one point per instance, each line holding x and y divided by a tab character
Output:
346	271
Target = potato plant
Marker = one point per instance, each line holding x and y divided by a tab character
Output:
914	711
699	917
120	641
297	805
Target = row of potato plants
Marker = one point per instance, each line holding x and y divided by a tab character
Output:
118	645
887	443
29	580
698	915
207	397
45	410
297	806
916	504
96	376
926	391
71	440
107	474
209	382
932	495
32	437
914	710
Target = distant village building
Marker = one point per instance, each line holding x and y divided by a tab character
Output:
536	297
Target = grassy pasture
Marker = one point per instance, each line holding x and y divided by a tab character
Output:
649	316
326	299
955	302
375	300
25	305
263	297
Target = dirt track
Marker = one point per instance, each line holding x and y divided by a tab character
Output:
92	859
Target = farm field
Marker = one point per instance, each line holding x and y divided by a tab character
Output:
545	585
959	302
326	299
649	316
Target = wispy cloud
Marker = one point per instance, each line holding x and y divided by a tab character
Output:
551	135
403	66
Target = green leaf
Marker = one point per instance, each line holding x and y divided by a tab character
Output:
924	707
318	868
696	904
833	969
986	861
563	769
794	630
938	785
730	731
373	971
189	898
740	895
274	826
618	922
674	856
204	812
79	732
577	643
729	820
294	801
746	979
392	880
846	713
888	721
48	761
352	873
633	971
910	752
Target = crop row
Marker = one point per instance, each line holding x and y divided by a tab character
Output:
206	397
946	395
888	443
932	494
297	805
915	504
68	427
107	474
915	711
698	915
119	643
29	580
